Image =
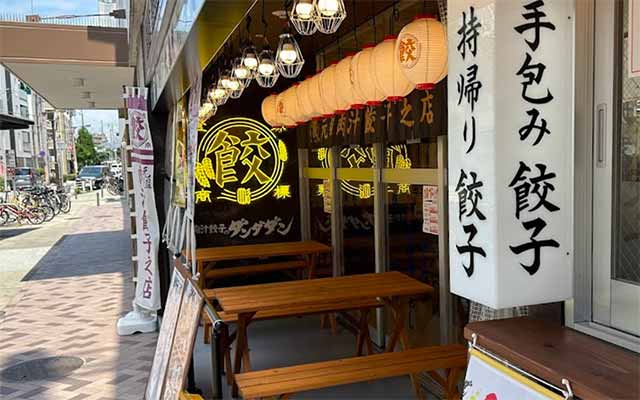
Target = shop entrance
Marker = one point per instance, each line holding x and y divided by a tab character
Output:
616	166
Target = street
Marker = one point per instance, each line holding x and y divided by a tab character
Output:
64	285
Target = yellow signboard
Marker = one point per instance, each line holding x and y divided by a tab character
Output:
240	160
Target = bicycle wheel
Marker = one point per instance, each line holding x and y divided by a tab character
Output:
65	204
54	202
48	213
4	217
36	216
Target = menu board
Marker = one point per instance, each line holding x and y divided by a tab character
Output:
430	220
488	379
165	337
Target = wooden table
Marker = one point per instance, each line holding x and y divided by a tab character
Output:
207	257
595	369
246	301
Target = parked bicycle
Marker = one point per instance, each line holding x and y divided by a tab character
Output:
34	206
115	186
10	212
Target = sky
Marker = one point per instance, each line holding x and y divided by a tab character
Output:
49	8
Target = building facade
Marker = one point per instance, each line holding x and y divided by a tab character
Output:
23	135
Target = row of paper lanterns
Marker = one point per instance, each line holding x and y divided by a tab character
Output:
415	59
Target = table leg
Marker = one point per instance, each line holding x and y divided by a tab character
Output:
400	334
311	262
363	333
398	326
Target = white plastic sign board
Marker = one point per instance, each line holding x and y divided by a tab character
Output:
510	150
487	379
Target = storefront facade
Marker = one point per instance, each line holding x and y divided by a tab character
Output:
379	196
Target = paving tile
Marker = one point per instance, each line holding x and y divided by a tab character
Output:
69	307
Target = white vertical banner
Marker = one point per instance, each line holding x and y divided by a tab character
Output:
147	228
510	110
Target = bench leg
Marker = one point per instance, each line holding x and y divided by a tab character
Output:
333	323
363	333
242	349
451	390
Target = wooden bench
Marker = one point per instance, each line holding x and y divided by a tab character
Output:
363	338
254	269
287	381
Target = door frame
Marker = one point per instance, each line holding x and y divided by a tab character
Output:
579	311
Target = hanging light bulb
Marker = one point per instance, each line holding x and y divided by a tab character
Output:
304	16
289	60
219	94
266	67
331	13
304	9
207	110
224	79
241	72
328	8
250	59
267	74
234	87
288	54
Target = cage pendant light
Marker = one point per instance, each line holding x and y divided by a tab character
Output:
268	72
388	74
289	59
219	95
234	86
250	59
241	72
342	81
421	50
207	110
364	78
304	16
268	109
331	13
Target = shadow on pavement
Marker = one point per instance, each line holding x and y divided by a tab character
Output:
9	233
84	254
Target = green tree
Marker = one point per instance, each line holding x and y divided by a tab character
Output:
86	153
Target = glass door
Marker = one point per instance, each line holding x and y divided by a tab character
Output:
616	166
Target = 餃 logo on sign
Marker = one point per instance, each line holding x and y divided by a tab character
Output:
140	134
240	160
408	50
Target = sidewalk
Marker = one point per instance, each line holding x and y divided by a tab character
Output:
68	306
